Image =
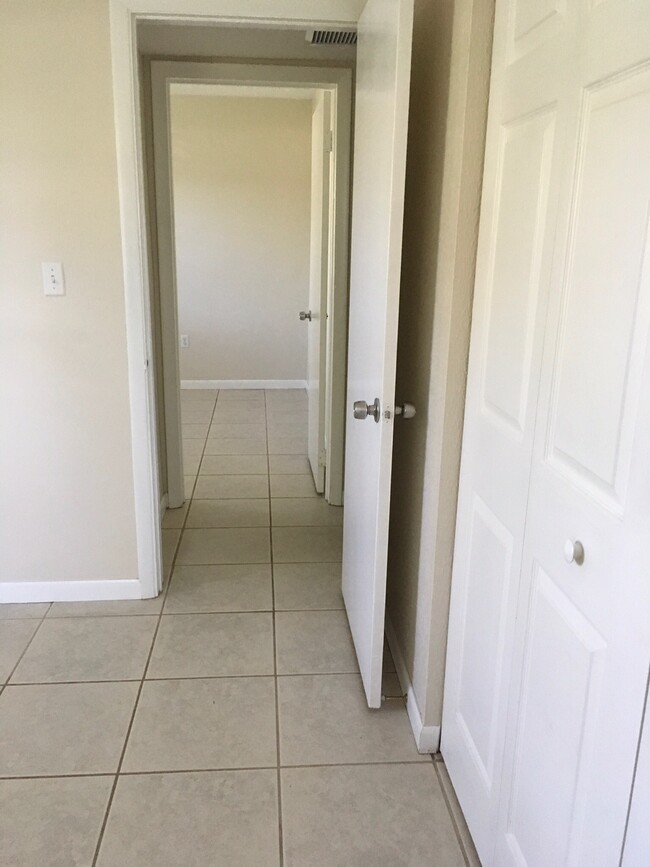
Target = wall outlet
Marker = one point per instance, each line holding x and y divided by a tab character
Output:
185	341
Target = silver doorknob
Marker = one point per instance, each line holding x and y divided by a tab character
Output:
362	410
305	315
574	552
406	410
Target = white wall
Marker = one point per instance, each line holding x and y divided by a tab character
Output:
241	181
66	504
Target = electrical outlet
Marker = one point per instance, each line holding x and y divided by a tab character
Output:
185	341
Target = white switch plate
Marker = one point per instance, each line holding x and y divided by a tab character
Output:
53	278
185	341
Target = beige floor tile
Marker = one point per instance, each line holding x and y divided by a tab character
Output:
227	394
219	588
301	586
233	430
314	642
189	485
175	518
229	513
383	815
197	405
66	728
170	539
15	635
224	545
234	465
131	607
195	431
183	725
239	412
191	394
53	822
292	486
221	819
191	463
304	512
294	464
324	719
191	448
287	445
231	487
213	645
23	610
87	648
195	416
283	429
235	446
307	544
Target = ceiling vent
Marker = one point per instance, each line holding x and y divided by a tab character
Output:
331	37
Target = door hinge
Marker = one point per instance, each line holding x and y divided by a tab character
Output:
329	141
322	458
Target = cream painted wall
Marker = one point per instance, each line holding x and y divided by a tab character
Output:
67	508
449	87
241	178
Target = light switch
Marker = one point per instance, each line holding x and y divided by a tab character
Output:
53	278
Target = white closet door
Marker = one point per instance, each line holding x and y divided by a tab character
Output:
548	658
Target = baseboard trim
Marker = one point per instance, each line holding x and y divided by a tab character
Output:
427	738
69	591
226	384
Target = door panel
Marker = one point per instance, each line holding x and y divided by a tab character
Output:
319	263
556	449
381	115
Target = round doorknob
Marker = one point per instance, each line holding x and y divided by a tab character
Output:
305	315
361	409
574	552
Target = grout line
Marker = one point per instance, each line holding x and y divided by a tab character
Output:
210	770
26	648
443	789
196	677
275	655
148	660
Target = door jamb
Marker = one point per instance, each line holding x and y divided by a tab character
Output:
123	16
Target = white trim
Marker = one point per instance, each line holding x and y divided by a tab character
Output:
128	136
69	591
225	384
427	738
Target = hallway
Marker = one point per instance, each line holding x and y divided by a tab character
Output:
223	722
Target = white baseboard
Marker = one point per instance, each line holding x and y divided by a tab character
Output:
69	591
427	738
243	383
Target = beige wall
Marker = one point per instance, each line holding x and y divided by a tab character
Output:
451	55
241	179
67	508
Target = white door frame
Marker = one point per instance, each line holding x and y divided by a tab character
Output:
338	83
124	15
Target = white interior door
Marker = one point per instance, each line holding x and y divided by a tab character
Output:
547	656
319	264
381	114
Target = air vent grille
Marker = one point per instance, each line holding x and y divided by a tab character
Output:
332	37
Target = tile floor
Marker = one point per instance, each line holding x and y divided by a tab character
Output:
223	723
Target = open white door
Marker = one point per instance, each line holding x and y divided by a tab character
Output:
382	94
319	260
